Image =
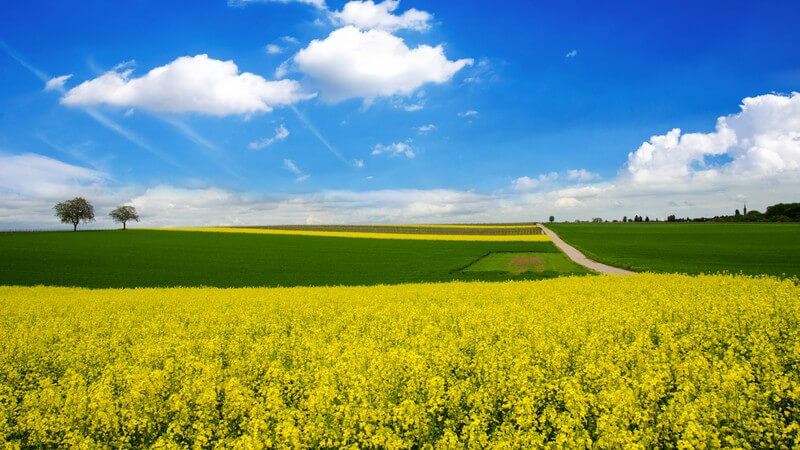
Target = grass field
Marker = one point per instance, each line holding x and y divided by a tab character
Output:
646	361
136	258
518	263
690	248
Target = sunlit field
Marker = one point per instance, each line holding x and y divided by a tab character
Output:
234	257
750	248
647	361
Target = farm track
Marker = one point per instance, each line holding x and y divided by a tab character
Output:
440	230
579	258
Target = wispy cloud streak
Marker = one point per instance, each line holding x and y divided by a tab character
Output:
96	115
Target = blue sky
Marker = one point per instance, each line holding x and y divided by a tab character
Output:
527	109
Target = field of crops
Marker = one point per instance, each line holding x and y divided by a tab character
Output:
517	234
236	258
497	230
690	248
646	360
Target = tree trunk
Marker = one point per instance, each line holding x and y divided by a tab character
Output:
124	226
74	226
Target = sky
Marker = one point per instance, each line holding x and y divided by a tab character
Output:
253	112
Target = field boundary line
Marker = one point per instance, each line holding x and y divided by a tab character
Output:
579	258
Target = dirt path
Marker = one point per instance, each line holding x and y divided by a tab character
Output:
581	259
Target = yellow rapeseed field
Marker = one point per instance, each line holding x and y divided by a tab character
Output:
472	226
614	362
368	235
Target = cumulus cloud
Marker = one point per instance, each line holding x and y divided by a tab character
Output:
762	139
525	183
581	175
572	54
567	203
468	113
281	133
398	148
352	63
56	83
368	15
188	84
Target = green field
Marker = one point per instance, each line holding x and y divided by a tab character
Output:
690	248
517	263
138	258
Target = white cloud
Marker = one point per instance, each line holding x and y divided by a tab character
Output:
281	133
34	175
289	165
524	184
273	49
56	83
753	155
571	54
762	140
424	129
188	84
398	148
290	40
124	65
370	64
358	163
568	203
368	15
320	4
581	175
468	113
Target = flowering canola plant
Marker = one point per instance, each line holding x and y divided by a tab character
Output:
642	361
374	235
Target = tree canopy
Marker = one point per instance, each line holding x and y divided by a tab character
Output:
75	211
122	214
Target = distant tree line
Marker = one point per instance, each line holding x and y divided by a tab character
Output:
79	210
781	212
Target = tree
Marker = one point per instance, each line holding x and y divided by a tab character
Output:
552	219
624	219
783	212
737	213
123	214
647	219
75	211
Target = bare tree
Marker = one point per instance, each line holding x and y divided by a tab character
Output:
75	211
123	214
